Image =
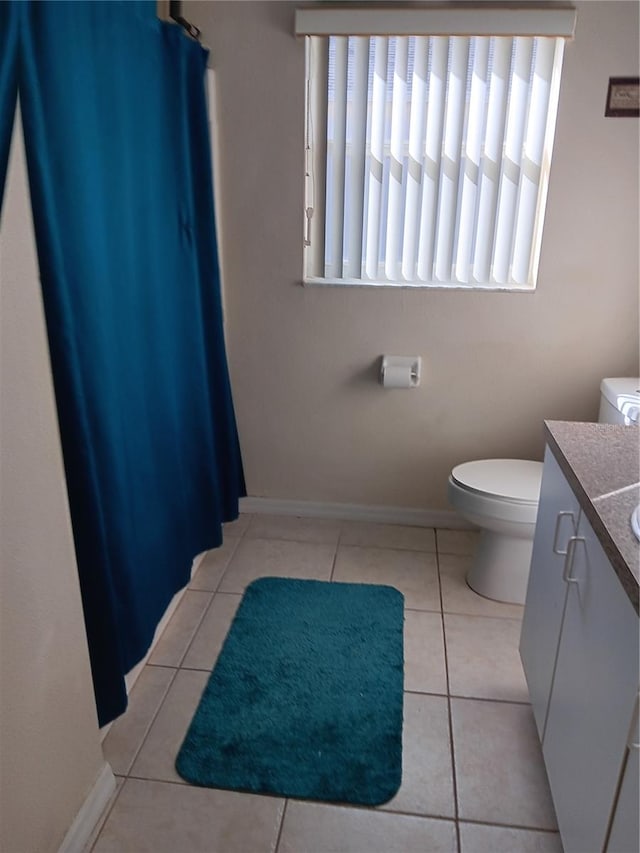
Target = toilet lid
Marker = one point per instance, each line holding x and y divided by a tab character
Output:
514	480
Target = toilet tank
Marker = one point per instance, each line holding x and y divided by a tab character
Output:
619	401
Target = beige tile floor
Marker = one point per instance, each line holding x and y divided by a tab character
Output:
473	779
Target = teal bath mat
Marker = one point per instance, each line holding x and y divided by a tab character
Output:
306	697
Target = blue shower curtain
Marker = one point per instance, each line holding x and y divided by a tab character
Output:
116	134
8	83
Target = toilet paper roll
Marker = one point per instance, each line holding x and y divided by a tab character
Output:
397	377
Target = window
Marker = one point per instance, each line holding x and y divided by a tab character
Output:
428	151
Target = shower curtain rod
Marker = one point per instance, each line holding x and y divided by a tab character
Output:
175	9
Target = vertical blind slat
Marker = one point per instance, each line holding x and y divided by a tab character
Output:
432	154
470	166
450	162
415	157
336	151
492	154
376	156
511	159
531	167
316	139
550	129
356	155
395	206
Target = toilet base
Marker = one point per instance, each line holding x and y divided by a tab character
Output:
500	569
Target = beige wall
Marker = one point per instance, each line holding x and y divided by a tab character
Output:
313	423
50	752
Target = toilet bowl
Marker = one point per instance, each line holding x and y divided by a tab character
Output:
500	496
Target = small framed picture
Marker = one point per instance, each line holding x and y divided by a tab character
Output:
623	97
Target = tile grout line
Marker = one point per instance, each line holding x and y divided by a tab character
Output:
335	556
214	594
197	628
371	546
126	775
230	560
105	817
247	526
365	545
350	806
280	828
469	698
466	615
522	827
151	723
490	699
412	692
454	779
355	807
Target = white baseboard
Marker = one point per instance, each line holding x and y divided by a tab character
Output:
356	512
91	811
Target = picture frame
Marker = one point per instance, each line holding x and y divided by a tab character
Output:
623	97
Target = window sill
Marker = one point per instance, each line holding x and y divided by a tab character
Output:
405	285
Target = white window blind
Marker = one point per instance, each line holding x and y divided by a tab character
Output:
428	157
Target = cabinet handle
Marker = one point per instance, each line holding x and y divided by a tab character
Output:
559	517
634	726
568	560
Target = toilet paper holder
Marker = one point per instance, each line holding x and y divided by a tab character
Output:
400	371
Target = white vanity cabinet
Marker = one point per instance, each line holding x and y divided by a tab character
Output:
592	697
558	512
625	829
579	648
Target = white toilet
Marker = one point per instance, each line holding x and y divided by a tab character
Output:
501	496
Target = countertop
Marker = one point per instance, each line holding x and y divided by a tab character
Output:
602	465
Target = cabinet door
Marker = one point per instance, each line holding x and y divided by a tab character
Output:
557	521
593	696
625	830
